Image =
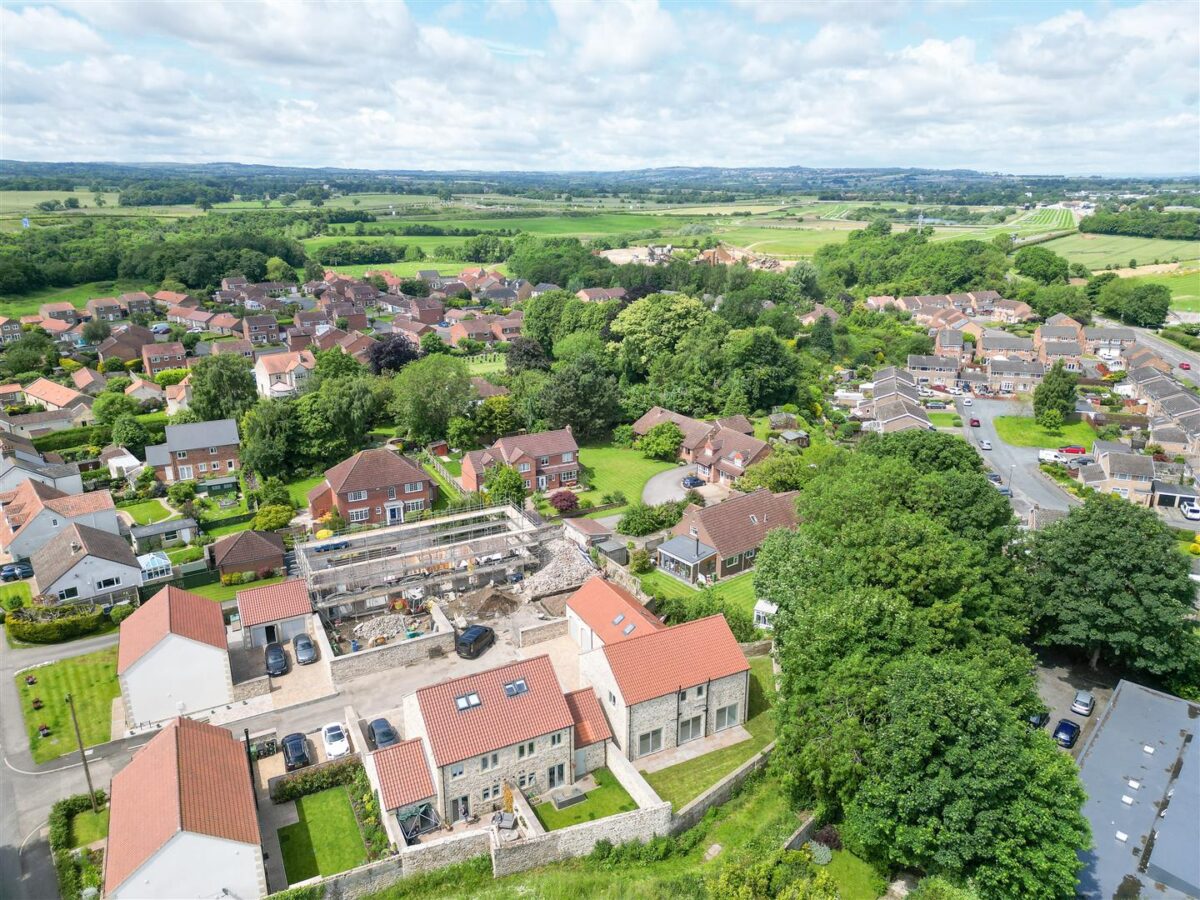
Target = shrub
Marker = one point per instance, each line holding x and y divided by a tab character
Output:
564	501
623	436
639	562
614	498
821	855
272	518
315	780
230	578
182	492
828	835
51	626
121	612
640	519
61	814
15	602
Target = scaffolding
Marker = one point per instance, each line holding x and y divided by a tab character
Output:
360	573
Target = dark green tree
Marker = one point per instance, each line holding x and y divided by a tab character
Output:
428	393
223	387
1056	394
661	442
271	439
131	434
504	484
1042	265
583	395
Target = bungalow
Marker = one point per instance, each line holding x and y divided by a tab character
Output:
168	299
196	451
484	388
274	613
125	343
239	347
81	563
543	287
35	512
694	430
546	460
167	533
941	370
664	688
192	318
586	533
726	454
225	323
377	487
599	295
283	374
411	331
601	612
732	531
881	302
53	395
36	424
182	819
248	551
160	357
145	391
172	657
818	312
89	381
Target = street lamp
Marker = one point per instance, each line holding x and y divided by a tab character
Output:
82	756
1011	469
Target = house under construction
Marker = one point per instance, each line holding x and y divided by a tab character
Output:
365	572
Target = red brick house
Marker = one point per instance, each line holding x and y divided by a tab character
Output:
196	451
548	460
425	310
260	329
160	357
374	487
471	329
725	455
695	431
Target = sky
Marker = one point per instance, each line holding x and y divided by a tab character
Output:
569	85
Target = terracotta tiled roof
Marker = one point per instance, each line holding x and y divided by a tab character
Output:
246	547
51	392
273	602
741	523
403	774
369	469
485	388
170	611
682	656
189	777
85	378
587	526
610	611
279	363
498	720
73	505
590	724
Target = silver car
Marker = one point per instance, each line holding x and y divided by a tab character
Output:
304	650
1083	704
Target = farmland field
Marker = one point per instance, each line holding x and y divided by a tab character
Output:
425	242
785	242
1184	288
408	269
27	305
1043	220
1099	250
27	201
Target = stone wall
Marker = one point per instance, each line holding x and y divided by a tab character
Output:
719	793
254	687
802	834
390	656
543	631
436	854
631	779
526	817
758	648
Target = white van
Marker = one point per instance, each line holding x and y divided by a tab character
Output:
1051	456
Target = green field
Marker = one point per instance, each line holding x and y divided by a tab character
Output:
1099	250
410	269
18	589
425	242
606	799
325	841
945	419
27	304
791	242
1023	431
1184	288
21	202
738	591
1039	220
92	681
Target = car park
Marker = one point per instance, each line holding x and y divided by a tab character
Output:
1190	509
974	422
295	752
1066	733
985	445
275	659
382	734
336	741
1073	450
693	481
474	641
1083	704
304	650
16	571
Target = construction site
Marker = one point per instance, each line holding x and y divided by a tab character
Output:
401	567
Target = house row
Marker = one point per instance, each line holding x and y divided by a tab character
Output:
983	304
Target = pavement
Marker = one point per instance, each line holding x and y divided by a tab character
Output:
1017	466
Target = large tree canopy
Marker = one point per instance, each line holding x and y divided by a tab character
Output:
222	387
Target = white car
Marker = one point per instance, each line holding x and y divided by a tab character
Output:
336	742
1190	510
985	445
967	401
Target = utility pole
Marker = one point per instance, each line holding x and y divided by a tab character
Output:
83	756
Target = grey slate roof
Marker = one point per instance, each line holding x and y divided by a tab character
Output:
916	361
1062	348
1157	390
1001	341
61	553
1015	367
1130	465
1058	332
166	525
1180	404
1161	818
1108	334
202	434
687	549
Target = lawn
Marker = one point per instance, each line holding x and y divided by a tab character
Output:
739	590
147	512
1099	250
92	681
224	592
88	826
856	879
607	799
945	419
1184	288
1022	431
486	363
446	490
325	841
18	589
686	780
298	490
609	469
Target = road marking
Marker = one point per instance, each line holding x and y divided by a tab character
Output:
28	836
46	772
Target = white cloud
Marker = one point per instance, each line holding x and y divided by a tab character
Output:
46	29
617	34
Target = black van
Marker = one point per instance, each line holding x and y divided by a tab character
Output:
472	642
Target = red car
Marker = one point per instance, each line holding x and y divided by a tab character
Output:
1073	450
1185	365
974	423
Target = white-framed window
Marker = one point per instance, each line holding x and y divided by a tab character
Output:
556	740
727	716
229	464
650	742
567	476
360	515
733	560
68	593
392	492
414	505
525	749
355	496
543	460
489	761
491	793
54	523
202	467
568	457
690	729
456	770
379	510
528	484
524	467
212	451
104	583
181	454
414	488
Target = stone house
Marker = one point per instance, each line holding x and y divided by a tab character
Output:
666	688
274	612
196	451
375	487
406	787
601	612
546	460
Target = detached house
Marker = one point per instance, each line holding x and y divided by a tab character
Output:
125	343
283	374
547	460
260	329
726	454
105	309
161	357
20	461
173	658
60	311
35	512
82	563
196	451
182	819
694	430
55	396
10	330
723	540
248	551
664	688
375	487
509	724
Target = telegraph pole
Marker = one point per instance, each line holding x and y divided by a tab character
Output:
82	756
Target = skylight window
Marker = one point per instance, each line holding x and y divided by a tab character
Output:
619	619
515	688
466	701
628	629
753	520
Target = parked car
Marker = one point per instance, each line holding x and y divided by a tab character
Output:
1051	456
295	752
1004	491
967	401
1074	462
1066	733
1185	366
1073	450
474	641
336	742
1039	720
382	734
276	660
985	445
15	571
304	650
994	477
935	404
1083	703
974	422
693	481
1189	508
161	328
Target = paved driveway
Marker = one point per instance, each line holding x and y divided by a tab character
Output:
1018	466
666	486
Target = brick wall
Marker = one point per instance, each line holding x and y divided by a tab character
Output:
543	631
390	656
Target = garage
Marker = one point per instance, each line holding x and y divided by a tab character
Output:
1174	494
275	613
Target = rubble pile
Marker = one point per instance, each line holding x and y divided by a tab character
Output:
386	627
565	568
486	603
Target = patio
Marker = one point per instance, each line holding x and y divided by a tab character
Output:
692	749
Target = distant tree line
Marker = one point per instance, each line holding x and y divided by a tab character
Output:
1179	226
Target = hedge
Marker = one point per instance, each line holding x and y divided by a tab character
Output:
41	626
315	780
75	870
61	814
97	435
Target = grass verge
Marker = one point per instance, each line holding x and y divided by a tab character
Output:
91	680
87	827
1022	431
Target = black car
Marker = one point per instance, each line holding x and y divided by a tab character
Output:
472	642
295	752
1066	733
16	571
304	650
276	660
382	733
994	477
1039	720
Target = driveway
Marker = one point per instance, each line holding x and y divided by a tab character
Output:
666	486
1059	677
1018	466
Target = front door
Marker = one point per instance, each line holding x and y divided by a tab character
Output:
541	482
459	809
555	774
395	515
580	761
